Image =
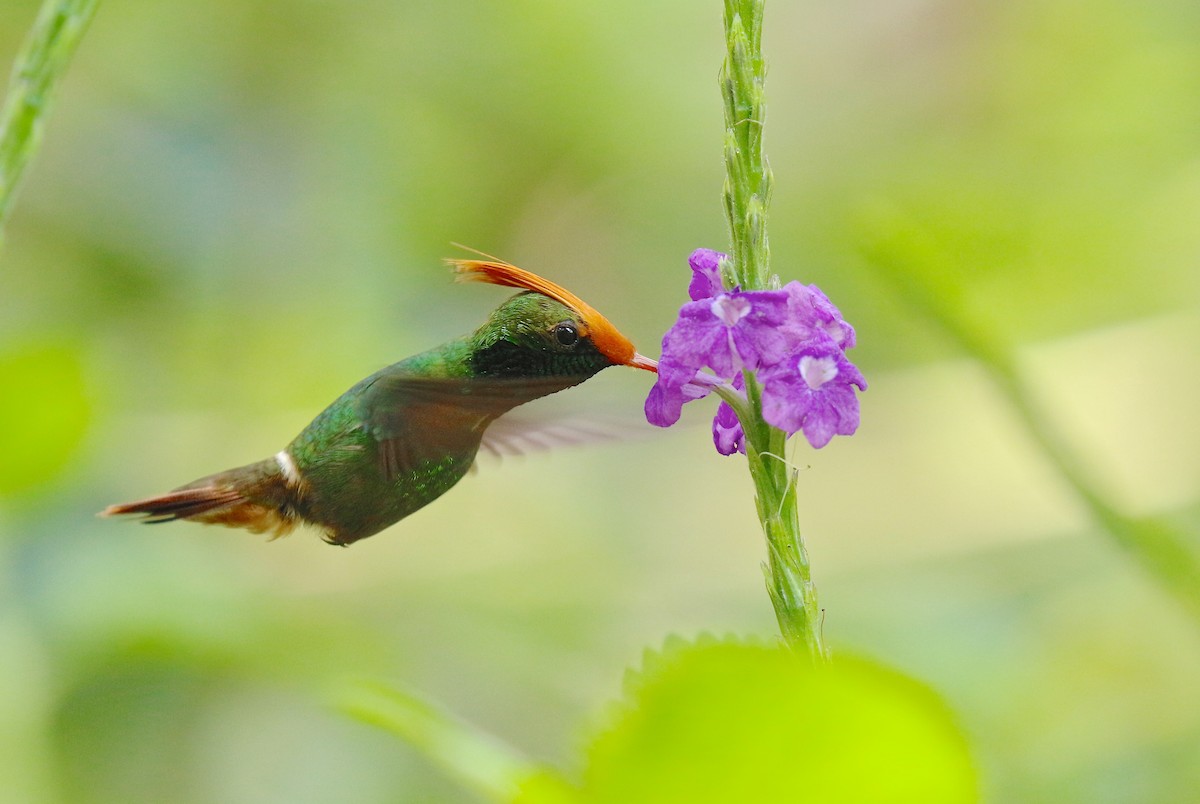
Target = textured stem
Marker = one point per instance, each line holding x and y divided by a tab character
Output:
41	63
788	576
748	176
747	195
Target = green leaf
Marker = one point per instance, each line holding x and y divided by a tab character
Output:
43	414
729	722
41	64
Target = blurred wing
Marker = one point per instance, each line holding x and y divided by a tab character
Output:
515	434
415	419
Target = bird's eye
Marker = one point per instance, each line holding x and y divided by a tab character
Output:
566	333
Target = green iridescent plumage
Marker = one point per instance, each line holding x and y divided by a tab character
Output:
402	437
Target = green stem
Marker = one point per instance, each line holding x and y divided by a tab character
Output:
478	760
747	196
39	66
748	176
788	576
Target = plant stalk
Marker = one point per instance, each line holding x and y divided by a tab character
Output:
747	196
40	65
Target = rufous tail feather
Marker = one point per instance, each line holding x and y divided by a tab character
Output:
253	497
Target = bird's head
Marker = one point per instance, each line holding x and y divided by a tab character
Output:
544	330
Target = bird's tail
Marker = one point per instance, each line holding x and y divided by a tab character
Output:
254	497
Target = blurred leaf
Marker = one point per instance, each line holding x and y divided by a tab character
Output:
43	414
729	722
901	251
469	755
40	65
656	662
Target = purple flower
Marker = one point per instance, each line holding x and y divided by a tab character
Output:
811	310
793	339
675	386
812	391
730	331
728	435
706	274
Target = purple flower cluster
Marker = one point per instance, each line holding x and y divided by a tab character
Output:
793	339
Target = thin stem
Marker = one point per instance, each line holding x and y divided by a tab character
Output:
493	769
787	570
39	66
748	176
747	196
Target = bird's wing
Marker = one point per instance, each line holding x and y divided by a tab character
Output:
415	419
516	434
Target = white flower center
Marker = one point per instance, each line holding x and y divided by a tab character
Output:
730	310
817	371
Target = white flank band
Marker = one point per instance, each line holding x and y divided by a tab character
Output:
288	467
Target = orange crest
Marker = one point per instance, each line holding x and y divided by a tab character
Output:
607	338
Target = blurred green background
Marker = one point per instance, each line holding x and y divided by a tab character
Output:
240	209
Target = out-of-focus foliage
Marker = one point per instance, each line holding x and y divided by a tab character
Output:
717	721
38	67
728	722
43	414
239	210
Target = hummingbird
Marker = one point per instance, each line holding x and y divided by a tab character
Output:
404	436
